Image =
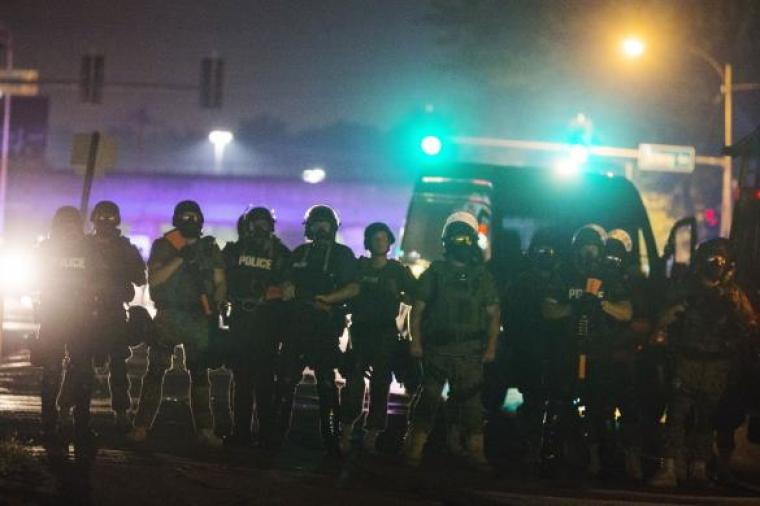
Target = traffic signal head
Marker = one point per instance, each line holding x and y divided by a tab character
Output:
431	145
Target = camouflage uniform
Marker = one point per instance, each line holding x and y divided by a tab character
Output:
181	319
454	329
705	341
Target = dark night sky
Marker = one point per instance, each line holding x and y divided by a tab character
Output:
308	62
314	63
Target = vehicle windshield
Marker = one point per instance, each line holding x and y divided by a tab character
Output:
428	212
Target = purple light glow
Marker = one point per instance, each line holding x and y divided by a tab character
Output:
147	202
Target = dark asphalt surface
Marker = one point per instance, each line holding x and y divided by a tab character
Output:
171	469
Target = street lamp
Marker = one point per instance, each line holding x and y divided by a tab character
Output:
220	139
634	47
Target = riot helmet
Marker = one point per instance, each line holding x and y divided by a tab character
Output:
314	218
106	218
67	224
188	219
617	250
460	238
256	223
372	230
588	246
714	262
543	249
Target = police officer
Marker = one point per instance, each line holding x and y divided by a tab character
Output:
381	285
65	299
318	267
455	326
187	284
117	268
531	339
256	266
626	339
590	302
707	320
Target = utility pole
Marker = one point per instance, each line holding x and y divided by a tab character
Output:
7	43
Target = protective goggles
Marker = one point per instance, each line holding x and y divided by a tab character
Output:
462	240
189	217
716	261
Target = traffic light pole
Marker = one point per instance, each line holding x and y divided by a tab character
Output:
726	193
5	153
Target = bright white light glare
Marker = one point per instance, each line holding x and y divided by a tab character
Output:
26	301
633	47
220	137
314	176
566	168
579	154
15	271
431	145
482	241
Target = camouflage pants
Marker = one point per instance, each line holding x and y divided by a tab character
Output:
698	385
461	365
175	327
372	349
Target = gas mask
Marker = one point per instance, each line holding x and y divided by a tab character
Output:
713	270
106	225
462	248
190	226
544	259
587	257
322	231
67	231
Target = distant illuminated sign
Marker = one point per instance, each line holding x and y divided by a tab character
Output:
666	158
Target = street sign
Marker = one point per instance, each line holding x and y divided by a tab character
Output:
105	157
19	82
667	158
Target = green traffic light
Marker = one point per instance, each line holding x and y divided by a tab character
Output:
431	145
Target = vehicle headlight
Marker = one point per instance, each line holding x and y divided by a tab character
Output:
15	272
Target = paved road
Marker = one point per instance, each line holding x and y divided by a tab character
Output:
170	469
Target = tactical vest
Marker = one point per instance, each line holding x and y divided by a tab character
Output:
111	271
706	327
379	298
184	288
251	270
456	310
314	270
67	277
